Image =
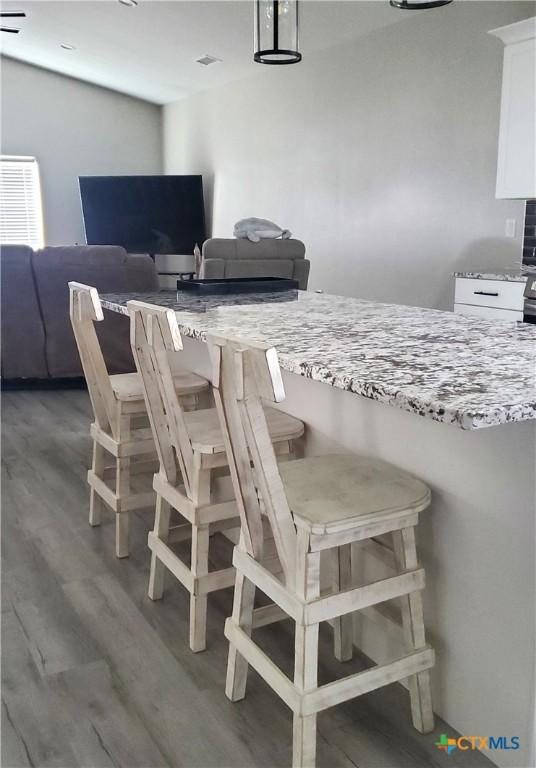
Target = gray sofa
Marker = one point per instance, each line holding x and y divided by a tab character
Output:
37	339
268	258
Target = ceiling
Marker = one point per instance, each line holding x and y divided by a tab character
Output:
149	51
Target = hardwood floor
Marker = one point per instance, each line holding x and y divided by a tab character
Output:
96	675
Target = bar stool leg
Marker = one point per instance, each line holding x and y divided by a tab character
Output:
343	625
122	489
305	676
198	604
121	532
199	565
306	654
161	531
95	502
190	402
414	634
286	452
237	666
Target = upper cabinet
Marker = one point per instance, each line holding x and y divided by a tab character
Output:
516	166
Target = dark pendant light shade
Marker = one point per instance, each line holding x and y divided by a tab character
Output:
276	32
415	5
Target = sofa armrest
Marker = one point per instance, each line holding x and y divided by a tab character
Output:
214	268
301	272
141	273
23	333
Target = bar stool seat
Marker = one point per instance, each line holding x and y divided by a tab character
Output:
336	492
206	436
128	387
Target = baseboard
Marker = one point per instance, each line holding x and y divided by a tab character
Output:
76	382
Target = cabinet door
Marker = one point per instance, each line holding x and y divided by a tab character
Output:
516	168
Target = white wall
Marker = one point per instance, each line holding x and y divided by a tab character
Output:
381	154
74	129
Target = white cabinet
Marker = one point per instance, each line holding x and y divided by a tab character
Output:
516	165
491	299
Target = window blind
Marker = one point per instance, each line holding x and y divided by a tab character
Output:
21	217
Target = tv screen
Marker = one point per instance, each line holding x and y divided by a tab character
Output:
144	214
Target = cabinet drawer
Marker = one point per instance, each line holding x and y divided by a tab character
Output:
502	294
488	313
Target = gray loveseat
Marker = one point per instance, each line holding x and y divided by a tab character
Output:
37	339
269	258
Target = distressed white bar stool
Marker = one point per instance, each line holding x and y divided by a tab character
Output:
190	446
120	429
313	504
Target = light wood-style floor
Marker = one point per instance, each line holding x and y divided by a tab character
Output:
96	675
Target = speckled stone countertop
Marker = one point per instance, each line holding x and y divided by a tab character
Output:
512	276
457	370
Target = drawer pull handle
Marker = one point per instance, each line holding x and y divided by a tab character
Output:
485	293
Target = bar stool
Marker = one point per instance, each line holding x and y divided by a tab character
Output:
313	504
190	446
120	428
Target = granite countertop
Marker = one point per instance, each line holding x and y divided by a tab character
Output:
512	275
464	371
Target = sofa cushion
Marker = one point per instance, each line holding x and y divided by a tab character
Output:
234	248
23	335
85	256
255	268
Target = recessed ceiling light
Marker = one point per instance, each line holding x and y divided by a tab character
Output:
131	3
206	60
67	47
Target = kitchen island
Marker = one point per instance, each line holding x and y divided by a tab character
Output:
453	400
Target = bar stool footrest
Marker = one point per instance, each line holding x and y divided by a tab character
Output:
311	702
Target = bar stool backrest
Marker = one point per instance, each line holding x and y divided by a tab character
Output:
154	332
244	375
85	309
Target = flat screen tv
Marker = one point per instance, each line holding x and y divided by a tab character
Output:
144	214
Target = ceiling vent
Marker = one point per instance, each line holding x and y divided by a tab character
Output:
206	60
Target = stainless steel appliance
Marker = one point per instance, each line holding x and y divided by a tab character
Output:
529	307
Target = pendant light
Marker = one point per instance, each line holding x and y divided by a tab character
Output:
415	5
276	32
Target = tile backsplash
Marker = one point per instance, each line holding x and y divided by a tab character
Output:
529	233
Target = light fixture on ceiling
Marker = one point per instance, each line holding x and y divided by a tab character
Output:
67	47
130	3
207	60
276	32
11	15
415	5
